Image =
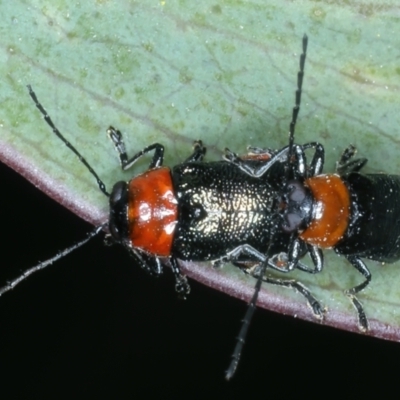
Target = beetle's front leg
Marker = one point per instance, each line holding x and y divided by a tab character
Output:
116	137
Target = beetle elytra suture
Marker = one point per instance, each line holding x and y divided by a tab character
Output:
264	210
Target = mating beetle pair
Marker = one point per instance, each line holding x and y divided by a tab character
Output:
264	210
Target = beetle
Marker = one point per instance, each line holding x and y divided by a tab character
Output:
196	210
355	214
266	209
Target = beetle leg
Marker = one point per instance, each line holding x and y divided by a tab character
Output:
302	170
357	263
116	137
259	259
250	169
316	307
317	257
352	166
150	264
347	154
345	165
317	162
246	256
182	286
233	158
259	151
312	302
198	152
277	262
297	249
251	256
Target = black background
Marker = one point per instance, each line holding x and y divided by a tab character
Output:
94	324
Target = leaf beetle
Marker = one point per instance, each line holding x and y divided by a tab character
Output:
266	209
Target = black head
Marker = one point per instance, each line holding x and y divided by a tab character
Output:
118	221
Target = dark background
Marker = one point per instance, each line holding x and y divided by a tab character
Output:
94	324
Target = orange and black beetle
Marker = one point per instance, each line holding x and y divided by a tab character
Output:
264	210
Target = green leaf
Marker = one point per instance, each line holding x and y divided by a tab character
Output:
225	73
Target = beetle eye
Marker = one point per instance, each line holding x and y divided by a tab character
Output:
297	192
118	209
291	222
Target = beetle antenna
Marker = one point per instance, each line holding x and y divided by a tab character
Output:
296	108
11	284
237	352
241	338
47	118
